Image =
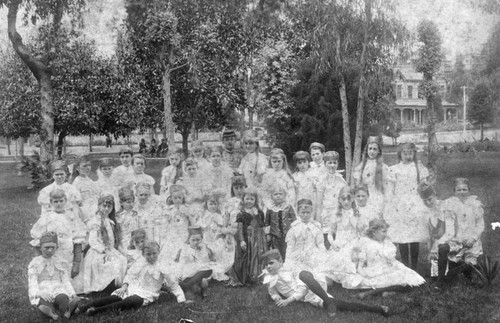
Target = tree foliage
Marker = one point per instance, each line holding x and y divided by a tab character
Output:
480	105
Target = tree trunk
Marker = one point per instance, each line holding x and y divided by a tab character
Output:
185	140
482	131
8	146
41	73
20	147
362	91
60	143
167	104
90	143
347	131
431	132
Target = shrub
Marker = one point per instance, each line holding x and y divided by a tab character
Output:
486	269
39	170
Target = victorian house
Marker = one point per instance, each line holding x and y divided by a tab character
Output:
409	108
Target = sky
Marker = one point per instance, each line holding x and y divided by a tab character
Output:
463	28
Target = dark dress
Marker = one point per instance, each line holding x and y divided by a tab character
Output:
247	264
279	223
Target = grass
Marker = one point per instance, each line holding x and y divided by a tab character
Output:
463	303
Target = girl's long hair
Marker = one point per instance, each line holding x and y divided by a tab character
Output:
415	159
116	228
278	152
379	170
347	191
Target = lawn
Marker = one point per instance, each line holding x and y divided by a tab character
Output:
462	303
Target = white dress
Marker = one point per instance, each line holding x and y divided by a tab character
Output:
280	177
48	275
328	190
366	214
108	185
305	246
103	263
305	186
89	193
72	196
123	176
145	280
167	179
128	221
220	179
69	228
378	267
377	198
405	213
146	214
253	166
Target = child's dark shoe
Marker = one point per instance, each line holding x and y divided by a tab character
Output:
91	311
330	307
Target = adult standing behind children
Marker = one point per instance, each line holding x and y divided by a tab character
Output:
405	214
229	155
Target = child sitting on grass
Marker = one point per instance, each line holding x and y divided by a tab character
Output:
136	247
285	287
49	281
141	286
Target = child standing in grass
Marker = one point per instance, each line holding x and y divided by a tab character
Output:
124	173
141	286
286	287
172	173
104	265
375	174
106	183
73	197
305	184
139	165
87	187
71	231
279	217
278	173
254	164
219	173
405	214
346	227
328	188
250	241
49	280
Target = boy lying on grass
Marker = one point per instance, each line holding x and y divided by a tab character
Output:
285	288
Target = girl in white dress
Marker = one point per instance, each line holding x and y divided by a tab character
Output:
305	184
104	266
254	164
141	286
87	187
196	184
198	153
377	267
219	173
367	212
172	173
139	165
279	174
375	174
106	182
406	213
148	208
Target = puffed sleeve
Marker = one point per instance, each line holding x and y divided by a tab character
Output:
37	230
479	216
174	288
43	198
33	290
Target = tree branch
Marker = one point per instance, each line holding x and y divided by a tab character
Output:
35	66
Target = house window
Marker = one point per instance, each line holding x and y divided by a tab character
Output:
410	91
399	89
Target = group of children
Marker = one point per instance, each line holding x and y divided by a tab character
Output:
219	215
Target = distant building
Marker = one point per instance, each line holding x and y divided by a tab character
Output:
409	108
